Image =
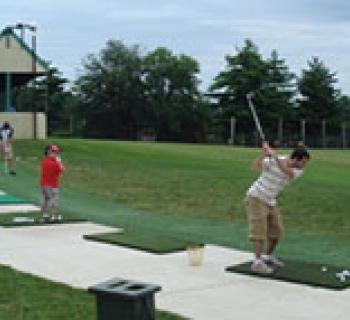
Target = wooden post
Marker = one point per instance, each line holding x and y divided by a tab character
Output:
8	92
280	131
343	135
34	83
323	133
302	130
233	130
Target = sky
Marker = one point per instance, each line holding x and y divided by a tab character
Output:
207	30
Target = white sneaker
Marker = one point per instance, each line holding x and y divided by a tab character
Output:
259	266
272	260
44	218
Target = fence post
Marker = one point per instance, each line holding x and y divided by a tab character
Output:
233	130
343	135
323	133
302	130
280	131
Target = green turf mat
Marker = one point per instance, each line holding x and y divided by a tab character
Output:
313	274
8	199
150	242
31	219
38	223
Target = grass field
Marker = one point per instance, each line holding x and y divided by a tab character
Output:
23	296
194	191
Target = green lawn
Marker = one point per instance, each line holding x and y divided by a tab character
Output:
23	296
194	192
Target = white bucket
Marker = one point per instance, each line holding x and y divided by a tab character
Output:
195	255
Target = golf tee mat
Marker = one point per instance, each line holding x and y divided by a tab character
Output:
144	241
9	199
312	274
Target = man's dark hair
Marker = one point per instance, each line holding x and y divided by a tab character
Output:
300	154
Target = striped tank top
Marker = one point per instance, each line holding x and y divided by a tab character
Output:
271	181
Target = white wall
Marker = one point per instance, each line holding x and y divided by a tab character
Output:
23	123
15	59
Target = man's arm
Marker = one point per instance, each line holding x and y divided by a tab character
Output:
282	165
60	165
257	162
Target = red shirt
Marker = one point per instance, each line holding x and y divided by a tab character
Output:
50	170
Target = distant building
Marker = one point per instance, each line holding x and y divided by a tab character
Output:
18	65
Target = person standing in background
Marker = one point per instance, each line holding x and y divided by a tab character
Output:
50	170
6	135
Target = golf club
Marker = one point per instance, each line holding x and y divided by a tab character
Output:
255	116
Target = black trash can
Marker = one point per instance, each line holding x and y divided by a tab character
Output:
120	299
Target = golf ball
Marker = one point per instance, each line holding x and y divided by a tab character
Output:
324	269
340	276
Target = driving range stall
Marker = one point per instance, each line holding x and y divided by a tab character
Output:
19	64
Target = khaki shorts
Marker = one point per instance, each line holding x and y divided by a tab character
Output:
49	198
265	221
7	151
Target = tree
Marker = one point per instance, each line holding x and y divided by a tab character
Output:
245	72
276	97
318	94
111	92
270	80
123	93
48	94
171	88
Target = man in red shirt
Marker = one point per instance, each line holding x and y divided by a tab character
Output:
50	170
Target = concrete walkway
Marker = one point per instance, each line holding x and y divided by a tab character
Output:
13	208
203	293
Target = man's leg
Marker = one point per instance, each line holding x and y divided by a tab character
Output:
257	219
272	244
43	204
258	248
274	232
9	159
54	203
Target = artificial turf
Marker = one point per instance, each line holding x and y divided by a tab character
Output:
193	192
150	242
313	274
9	199
33	219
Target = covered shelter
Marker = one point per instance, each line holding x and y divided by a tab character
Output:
19	64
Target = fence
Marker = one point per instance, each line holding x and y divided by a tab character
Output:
316	134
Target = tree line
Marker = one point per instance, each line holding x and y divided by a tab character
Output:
121	93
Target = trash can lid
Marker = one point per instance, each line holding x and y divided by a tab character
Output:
124	288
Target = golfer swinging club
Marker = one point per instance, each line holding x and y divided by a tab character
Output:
264	219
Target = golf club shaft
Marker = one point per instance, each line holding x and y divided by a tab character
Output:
255	117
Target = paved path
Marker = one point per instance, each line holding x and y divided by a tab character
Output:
19	208
202	293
